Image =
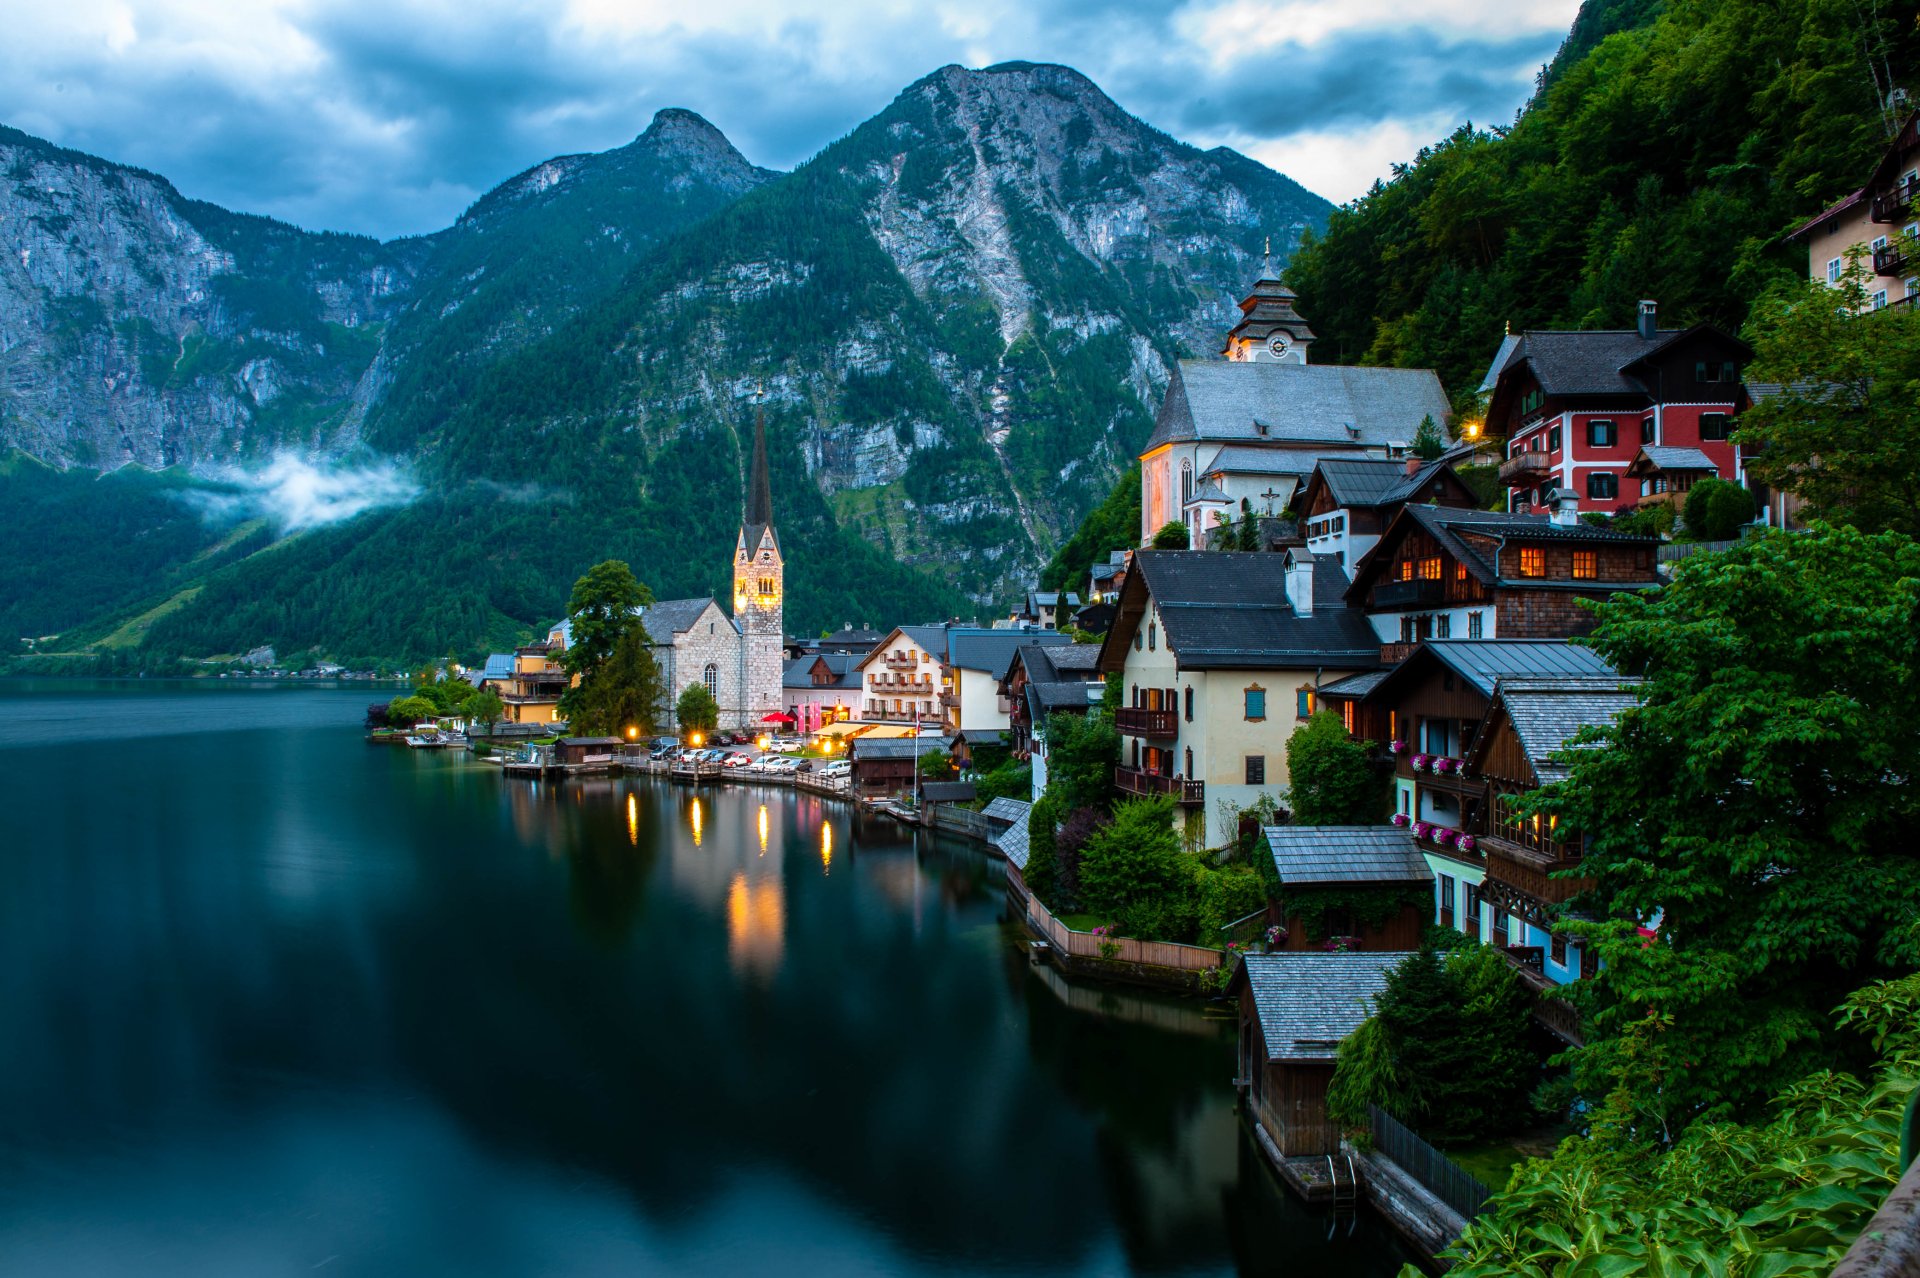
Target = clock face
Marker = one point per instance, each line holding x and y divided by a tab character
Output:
1279	343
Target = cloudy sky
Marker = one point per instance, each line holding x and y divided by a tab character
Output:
390	116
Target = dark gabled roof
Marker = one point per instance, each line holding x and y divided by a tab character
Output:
1546	714
992	650
1668	457
1005	809
1444	523
1484	663
1268	458
1044	698
1501	357
1588	362
1307	1003
1228	610
670	617
1304	855
1074	664
1305	404
1365	482
866	749
1840	206
947	791
845	667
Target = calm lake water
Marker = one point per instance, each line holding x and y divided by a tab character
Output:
274	1001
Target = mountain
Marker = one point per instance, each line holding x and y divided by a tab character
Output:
957	318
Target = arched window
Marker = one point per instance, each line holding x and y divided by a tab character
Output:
711	677
1186	482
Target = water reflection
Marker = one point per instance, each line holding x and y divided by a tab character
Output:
393	1013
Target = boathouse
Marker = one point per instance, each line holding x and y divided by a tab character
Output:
1348	887
1294	1010
588	751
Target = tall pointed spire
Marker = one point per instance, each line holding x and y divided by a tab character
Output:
759	486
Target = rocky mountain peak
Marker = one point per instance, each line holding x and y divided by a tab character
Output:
687	137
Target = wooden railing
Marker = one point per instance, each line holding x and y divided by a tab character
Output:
1188	794
1189	958
1522	469
1135	721
1531	871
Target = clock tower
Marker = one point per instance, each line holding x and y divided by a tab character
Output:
1270	331
759	592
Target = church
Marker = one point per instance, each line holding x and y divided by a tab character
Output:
739	657
1242	433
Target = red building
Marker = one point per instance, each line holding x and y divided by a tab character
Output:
1619	417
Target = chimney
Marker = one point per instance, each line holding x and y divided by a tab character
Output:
1649	319
1300	583
1566	508
1413	467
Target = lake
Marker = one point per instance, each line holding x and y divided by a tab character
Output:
275	1001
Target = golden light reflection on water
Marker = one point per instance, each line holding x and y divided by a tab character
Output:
633	820
696	823
756	924
763	829
826	847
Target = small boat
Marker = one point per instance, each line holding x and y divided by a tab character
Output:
428	740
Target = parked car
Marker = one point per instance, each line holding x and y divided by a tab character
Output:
836	768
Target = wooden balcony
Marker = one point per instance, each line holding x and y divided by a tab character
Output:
1524	470
1392	654
1896	201
1895	257
1527	871
1421	592
1134	721
1188	794
1553	1013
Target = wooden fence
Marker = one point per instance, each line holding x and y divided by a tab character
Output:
1189	958
1444	1178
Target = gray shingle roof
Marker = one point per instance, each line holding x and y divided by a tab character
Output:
1354	685
1354	481
670	617
1044	698
1005	809
1012	841
947	791
1546	714
992	650
1307	1003
1308	854
1667	457
1487	662
870	748
1576	362
1073	656
1229	610
1500	358
1296	403
798	671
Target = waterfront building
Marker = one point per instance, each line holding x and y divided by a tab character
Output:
1220	655
944	677
1044	680
1579	409
821	688
1360	863
1439	573
1240	435
1294	1009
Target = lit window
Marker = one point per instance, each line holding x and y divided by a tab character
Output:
1585	565
1256	703
1406	570
1303	703
1533	561
1460	571
1430	568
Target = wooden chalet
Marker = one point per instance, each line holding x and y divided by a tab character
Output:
1347	503
1047	679
1354	859
1294	1010
886	765
1438	573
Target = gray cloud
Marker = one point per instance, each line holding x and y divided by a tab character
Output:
389	118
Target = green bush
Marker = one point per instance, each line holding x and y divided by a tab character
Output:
1716	510
405	711
1332	777
1226	895
1013	779
1131	871
1173	535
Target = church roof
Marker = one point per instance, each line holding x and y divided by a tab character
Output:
1301	405
671	617
758	516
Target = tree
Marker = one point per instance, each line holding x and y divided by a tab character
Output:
1843	431
935	765
1757	806
1332	779
1082	750
406	711
1428	442
1131	871
1716	510
624	696
1173	535
602	608
696	709
485	707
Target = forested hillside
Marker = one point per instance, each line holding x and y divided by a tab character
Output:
1666	162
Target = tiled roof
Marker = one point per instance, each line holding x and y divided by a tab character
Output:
1307	1003
1445	523
1274	459
670	617
1207	490
1546	714
870	748
1486	662
992	650
1005	809
1043	698
947	791
1500	358
1354	481
798	672
1073	656
1012	841
1105	572
1308	854
1832	210
1229	610
1667	457
1589	362
1354	685
1296	403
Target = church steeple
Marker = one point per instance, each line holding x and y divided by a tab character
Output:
759	588
759	513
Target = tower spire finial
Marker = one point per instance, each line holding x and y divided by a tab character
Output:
1266	271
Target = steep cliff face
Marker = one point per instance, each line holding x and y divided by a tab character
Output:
140	326
958	318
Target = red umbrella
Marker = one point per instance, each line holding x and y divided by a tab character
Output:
777	718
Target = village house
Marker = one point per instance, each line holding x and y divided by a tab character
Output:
1600	414
1348	502
885	766
1220	655
1440	573
1880	221
1105	579
1294	1010
1357	864
1044	680
1047	609
530	680
821	688
944	677
1427	713
1240	435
